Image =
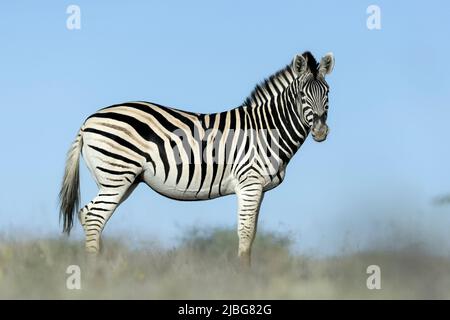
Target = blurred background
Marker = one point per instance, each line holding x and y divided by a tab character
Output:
380	180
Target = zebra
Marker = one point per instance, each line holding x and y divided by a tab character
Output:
192	156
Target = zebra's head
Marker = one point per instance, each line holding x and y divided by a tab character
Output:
313	91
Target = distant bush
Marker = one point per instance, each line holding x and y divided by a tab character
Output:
442	200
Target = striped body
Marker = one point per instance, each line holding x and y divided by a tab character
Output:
145	140
193	156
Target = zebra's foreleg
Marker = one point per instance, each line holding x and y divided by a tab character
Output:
250	195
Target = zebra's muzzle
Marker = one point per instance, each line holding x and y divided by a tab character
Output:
319	130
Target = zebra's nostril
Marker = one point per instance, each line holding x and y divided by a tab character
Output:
320	130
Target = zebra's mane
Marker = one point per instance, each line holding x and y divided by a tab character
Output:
313	66
263	89
286	75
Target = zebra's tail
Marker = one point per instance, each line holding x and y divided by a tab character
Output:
69	196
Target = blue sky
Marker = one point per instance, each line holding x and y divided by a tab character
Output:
384	162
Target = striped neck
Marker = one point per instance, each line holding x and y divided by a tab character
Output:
274	106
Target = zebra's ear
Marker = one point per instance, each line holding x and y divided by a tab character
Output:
326	64
299	65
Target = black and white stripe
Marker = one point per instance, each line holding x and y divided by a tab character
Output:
192	156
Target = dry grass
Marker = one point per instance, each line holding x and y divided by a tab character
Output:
204	266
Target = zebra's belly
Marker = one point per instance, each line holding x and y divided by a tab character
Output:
179	191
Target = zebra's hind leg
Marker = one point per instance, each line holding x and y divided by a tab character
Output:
250	195
95	214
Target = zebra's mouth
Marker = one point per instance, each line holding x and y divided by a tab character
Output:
319	138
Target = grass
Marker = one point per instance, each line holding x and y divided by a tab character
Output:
204	266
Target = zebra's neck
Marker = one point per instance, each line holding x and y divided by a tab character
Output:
273	107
